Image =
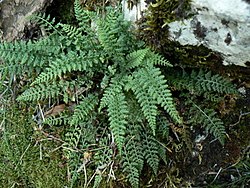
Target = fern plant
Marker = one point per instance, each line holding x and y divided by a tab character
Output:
102	49
119	102
211	87
114	52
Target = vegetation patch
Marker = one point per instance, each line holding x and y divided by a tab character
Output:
104	107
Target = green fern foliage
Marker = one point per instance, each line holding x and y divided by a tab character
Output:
114	99
112	37
154	85
40	92
116	90
151	152
54	121
201	82
129	166
212	88
133	161
209	120
82	111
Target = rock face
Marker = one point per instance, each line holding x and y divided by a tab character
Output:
222	26
14	16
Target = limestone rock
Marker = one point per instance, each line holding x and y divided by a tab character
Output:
222	26
14	16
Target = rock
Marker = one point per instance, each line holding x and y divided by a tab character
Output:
14	16
133	12
222	26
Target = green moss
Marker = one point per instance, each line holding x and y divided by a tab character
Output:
26	160
163	12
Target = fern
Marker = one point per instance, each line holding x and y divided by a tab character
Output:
46	22
84	17
22	57
114	99
202	82
151	152
153	83
148	105
133	156
163	126
122	94
112	37
40	92
208	119
130	168
54	121
83	110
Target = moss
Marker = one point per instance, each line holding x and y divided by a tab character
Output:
162	12
26	160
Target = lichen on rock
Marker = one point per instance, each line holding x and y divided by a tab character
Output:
222	26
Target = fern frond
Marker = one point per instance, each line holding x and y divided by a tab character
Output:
72	138
157	59
54	121
136	58
209	82
114	87
117	108
84	17
46	22
163	126
66	64
202	82
133	146
104	156
80	136
21	57
114	36
150	150
152	81
162	153
207	118
147	103
74	33
83	110
131	168
48	91
39	92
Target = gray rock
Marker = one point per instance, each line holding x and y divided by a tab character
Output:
14	16
222	26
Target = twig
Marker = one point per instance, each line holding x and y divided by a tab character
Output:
51	136
83	166
241	114
111	172
216	175
41	152
23	155
41	112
